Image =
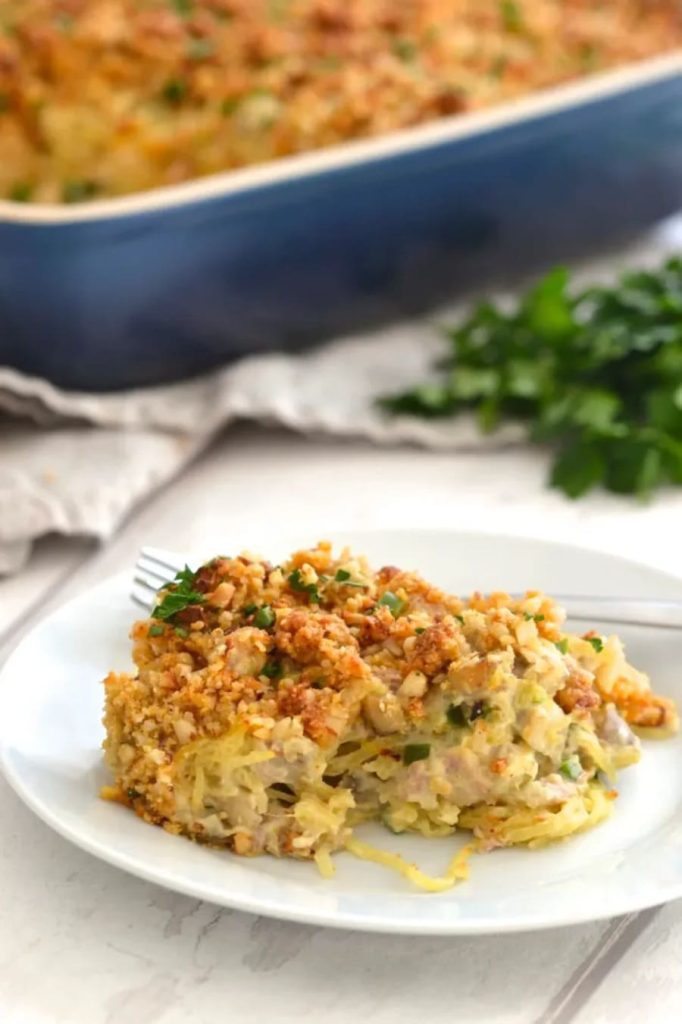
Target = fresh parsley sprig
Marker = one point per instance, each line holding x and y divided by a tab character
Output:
596	373
178	596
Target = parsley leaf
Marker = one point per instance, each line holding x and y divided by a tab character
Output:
185	575
265	617
394	603
183	7
562	645
415	752
178	596
597	373
511	15
343	576
229	105
577	469
175	91
596	642
405	50
21	191
571	768
79	191
456	715
296	583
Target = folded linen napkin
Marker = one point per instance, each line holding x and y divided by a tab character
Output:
76	463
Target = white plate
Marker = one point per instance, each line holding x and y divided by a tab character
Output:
50	734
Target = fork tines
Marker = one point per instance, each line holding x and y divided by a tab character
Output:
153	570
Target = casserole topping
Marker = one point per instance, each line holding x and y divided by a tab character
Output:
115	96
275	709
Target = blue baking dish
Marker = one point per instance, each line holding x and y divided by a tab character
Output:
167	283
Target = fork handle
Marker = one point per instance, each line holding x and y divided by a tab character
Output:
666	614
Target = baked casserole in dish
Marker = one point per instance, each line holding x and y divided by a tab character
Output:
187	180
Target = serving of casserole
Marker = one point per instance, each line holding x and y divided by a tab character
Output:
274	708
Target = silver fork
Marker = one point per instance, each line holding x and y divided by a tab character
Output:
156	568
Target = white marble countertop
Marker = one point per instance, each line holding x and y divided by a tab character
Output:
82	943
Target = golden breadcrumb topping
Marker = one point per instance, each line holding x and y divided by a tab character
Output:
105	97
275	708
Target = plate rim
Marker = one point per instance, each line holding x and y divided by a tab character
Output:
285	910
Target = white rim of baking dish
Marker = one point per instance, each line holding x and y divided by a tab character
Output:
351	154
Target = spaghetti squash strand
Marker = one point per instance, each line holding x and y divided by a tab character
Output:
457	870
509	826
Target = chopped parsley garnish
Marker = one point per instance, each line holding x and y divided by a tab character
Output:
249	609
460	618
511	15
175	90
156	630
562	645
416	752
395	604
588	56
405	50
265	617
200	49
181	632
343	576
596	642
597	372
186	575
21	192
456	715
571	768
272	669
296	583
132	794
79	191
533	618
419	630
179	596
229	105
176	601
182	7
